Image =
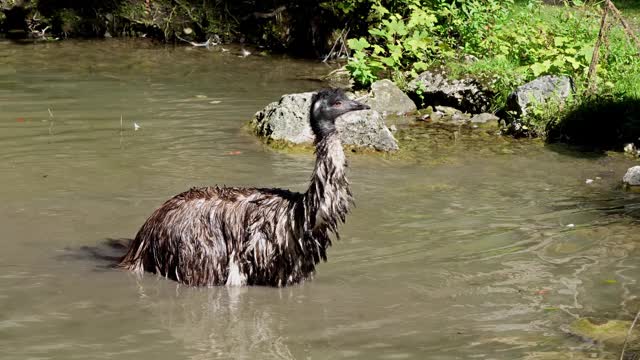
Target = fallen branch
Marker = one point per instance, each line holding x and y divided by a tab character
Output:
626	340
40	33
206	44
51	121
603	35
624	23
341	39
595	57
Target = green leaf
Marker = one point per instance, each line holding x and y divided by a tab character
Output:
390	62
540	68
358	44
377	50
575	64
558	41
420	66
587	52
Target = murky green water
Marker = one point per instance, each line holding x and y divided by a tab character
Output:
467	251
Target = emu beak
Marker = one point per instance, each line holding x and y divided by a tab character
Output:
353	105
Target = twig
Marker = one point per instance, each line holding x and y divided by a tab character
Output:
339	39
596	51
624	23
626	339
204	44
166	27
344	49
121	130
51	121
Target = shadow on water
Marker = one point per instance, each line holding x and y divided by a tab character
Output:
577	151
599	124
106	254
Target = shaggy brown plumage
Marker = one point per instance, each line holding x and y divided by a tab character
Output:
252	236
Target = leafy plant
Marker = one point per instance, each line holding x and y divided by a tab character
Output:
398	44
362	69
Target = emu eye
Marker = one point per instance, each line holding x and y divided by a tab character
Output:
337	103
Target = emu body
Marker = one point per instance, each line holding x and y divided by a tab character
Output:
252	236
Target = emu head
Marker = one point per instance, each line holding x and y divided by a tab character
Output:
326	106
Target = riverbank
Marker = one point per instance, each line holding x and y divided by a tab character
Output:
283	26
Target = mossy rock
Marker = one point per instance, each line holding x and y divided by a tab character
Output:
557	355
608	332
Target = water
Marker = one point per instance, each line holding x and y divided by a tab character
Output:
470	248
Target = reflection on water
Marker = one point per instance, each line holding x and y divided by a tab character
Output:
472	247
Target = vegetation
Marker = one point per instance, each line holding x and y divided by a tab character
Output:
513	42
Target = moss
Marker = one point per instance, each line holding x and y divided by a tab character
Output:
554	355
287	146
610	332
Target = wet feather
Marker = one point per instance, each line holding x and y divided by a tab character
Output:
249	236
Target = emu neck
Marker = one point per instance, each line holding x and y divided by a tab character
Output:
328	198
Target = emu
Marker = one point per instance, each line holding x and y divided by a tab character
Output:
252	236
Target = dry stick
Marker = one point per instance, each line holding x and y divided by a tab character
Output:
596	51
166	28
343	48
624	23
121	129
204	44
51	121
334	45
626	339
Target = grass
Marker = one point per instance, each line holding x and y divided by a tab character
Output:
605	119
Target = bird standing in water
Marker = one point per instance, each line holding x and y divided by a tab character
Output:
253	236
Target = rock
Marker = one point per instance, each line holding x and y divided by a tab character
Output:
631	149
288	120
434	89
448	111
460	118
539	91
436	116
632	177
610	332
386	97
366	129
484	118
470	59
446	114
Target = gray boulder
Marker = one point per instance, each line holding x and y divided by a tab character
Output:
447	110
539	91
366	129
288	120
632	177
434	89
484	118
386	98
